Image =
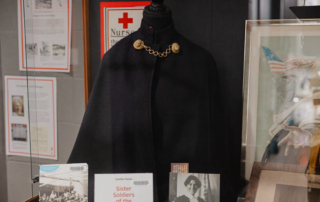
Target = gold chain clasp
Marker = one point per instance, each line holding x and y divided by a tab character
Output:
139	44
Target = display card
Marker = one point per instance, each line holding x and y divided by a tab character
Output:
123	187
194	187
179	167
64	182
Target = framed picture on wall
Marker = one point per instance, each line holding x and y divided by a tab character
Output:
273	182
281	113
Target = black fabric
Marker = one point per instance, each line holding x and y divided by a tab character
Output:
146	112
219	27
157	22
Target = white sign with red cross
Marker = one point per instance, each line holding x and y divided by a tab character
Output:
118	20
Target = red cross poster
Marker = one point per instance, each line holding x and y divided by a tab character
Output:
118	20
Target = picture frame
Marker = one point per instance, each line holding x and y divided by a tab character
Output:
275	52
273	182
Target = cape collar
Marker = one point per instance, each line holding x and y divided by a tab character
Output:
165	36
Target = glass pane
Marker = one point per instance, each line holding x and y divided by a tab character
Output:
281	85
51	105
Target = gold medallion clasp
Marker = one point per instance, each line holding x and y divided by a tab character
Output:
138	44
175	48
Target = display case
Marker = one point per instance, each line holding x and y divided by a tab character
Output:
210	103
280	106
43	89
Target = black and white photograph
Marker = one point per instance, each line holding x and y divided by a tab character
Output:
63	183
32	49
59	49
17	105
45	48
19	132
43	4
194	187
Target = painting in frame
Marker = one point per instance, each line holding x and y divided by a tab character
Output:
281	113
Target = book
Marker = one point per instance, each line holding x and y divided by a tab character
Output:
63	182
201	186
123	187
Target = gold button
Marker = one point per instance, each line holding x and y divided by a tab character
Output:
138	44
175	48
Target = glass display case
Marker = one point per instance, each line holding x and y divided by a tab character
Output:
43	89
280	108
217	101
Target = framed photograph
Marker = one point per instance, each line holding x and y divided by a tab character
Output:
273	182
199	187
281	111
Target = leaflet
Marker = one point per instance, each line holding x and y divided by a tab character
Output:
44	35
31	124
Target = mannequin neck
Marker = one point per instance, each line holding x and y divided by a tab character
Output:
157	22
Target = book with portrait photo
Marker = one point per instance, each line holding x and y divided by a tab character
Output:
194	187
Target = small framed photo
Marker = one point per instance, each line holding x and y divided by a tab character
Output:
201	187
273	182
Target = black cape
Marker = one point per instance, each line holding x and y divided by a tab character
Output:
146	112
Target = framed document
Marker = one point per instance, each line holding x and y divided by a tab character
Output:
281	92
31	116
44	35
118	20
271	182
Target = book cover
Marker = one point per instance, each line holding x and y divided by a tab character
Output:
199	187
63	182
123	187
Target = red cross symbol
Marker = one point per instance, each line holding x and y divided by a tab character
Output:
125	20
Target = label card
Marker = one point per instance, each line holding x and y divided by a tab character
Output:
64	182
180	167
123	187
194	187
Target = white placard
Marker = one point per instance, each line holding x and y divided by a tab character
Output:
44	35
123	187
31	118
